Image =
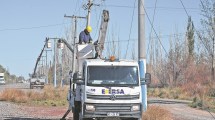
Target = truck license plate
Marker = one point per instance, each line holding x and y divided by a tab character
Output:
113	114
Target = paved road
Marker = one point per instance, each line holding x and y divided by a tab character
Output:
180	109
10	111
15	85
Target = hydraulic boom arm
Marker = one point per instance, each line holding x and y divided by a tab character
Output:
38	59
102	33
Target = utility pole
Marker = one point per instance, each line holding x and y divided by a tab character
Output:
90	4
142	51
47	68
88	8
55	42
75	37
55	81
141	30
213	28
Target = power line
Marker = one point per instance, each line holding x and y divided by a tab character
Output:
99	18
160	36
36	27
130	28
151	28
150	22
184	8
158	7
198	34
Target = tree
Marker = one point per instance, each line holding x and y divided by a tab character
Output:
207	36
190	37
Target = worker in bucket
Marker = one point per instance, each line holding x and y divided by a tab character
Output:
84	36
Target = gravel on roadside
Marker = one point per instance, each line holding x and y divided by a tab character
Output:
10	111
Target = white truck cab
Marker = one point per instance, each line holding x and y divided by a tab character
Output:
106	88
110	89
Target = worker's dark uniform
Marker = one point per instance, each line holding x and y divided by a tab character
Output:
84	37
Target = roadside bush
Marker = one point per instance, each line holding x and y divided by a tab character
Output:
156	113
49	96
196	103
14	95
211	92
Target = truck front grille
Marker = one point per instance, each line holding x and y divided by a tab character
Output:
112	108
117	97
103	109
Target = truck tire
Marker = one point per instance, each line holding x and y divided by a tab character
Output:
31	87
134	119
77	110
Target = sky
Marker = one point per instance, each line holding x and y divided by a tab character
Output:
25	24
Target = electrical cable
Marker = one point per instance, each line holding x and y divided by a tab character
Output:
161	36
174	64
198	34
130	29
76	5
36	27
97	26
154	29
151	28
160	7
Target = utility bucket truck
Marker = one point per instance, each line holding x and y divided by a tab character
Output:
38	80
105	88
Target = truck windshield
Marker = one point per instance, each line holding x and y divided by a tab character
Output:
112	75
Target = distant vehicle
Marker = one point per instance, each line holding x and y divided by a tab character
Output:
19	81
37	82
2	80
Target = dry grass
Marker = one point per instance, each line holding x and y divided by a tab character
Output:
13	95
202	96
175	93
49	96
156	113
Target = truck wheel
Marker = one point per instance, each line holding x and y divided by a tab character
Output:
135	119
76	110
31	87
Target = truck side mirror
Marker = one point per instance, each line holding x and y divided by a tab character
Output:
78	79
146	80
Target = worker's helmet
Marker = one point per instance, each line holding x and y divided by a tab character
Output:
89	29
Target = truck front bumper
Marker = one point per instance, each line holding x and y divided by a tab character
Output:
112	110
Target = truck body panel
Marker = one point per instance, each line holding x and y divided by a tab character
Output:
2	80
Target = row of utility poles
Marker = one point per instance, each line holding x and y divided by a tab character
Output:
60	45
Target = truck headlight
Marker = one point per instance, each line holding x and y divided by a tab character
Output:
135	108
90	107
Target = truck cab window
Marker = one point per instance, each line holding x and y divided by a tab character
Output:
113	75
